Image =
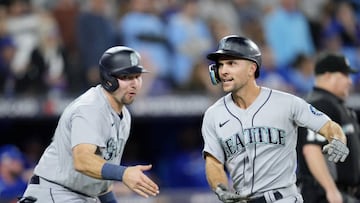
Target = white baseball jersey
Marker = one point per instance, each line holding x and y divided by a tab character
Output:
88	119
257	145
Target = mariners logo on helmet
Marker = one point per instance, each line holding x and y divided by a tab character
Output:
134	59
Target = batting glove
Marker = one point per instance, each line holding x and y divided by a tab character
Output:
226	196
336	151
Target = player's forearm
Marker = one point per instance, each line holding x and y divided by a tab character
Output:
332	130
86	161
91	166
215	173
317	165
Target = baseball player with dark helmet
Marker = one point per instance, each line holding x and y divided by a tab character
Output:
84	156
250	134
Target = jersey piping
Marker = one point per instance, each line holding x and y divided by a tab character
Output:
252	123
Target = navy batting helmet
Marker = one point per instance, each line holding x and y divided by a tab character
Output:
236	47
117	61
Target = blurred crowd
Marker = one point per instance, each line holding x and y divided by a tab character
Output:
52	47
15	170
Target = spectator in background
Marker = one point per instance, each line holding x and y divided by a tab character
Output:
346	23
221	11
190	39
271	76
287	32
313	10
95	33
64	12
250	19
301	74
217	29
7	54
142	28
22	25
12	182
48	60
333	38
199	81
349	31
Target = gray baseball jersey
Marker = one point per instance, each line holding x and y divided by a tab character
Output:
88	119
257	145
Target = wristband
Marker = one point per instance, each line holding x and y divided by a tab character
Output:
107	198
112	172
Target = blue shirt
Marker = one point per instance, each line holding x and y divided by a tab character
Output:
288	34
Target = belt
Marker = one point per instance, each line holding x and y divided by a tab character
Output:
35	179
262	199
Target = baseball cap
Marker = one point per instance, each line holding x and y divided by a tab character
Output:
331	62
10	151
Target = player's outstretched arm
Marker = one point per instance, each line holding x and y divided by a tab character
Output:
218	181
336	149
135	179
88	163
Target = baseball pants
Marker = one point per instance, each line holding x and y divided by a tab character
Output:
47	192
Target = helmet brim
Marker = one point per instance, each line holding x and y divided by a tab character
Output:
130	70
224	54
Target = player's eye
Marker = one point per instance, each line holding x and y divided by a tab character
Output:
129	77
232	63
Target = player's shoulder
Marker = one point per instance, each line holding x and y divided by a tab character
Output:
279	93
90	101
282	95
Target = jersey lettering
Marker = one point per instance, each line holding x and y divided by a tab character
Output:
112	149
257	135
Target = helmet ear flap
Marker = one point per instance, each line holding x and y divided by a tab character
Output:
214	74
108	81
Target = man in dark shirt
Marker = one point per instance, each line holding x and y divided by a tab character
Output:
319	180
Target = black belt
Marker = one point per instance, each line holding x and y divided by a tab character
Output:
35	179
262	199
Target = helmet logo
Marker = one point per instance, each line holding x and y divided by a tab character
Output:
134	59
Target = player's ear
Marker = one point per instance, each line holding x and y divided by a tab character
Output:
252	69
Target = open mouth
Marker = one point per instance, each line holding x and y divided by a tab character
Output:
227	80
132	93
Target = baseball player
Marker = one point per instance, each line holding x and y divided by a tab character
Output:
251	132
84	156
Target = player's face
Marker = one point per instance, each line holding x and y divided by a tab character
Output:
342	84
129	86
235	73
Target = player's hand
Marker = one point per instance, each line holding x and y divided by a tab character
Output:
136	180
226	196
334	196
336	150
